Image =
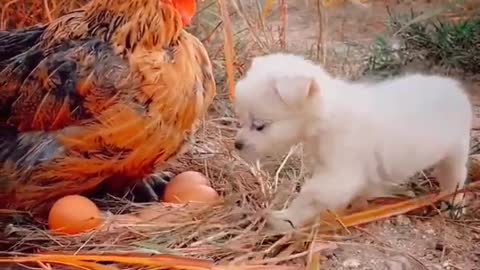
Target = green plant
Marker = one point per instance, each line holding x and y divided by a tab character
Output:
450	45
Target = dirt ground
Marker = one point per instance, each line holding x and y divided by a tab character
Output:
347	28
403	242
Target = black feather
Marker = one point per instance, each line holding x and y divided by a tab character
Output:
15	42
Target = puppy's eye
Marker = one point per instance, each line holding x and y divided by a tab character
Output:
260	127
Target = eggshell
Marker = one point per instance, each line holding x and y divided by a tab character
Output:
190	192
189	178
74	214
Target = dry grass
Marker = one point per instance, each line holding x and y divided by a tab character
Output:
231	231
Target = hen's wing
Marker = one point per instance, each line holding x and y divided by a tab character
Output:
50	89
15	42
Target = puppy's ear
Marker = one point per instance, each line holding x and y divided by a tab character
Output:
295	90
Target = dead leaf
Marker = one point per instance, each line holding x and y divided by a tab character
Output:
387	211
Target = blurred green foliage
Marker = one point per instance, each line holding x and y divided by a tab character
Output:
450	45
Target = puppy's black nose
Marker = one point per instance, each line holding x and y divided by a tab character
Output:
239	145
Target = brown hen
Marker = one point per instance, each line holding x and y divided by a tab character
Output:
99	99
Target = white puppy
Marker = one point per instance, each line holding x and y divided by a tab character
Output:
361	136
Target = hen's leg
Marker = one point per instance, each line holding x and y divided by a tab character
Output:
151	188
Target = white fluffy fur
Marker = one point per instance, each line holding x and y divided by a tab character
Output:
361	136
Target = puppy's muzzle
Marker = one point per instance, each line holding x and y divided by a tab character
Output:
239	145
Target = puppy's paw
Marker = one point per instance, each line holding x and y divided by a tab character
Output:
279	221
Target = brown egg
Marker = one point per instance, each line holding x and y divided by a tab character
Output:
189	187
74	214
190	177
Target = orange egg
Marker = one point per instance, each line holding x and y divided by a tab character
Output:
74	214
189	178
189	187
